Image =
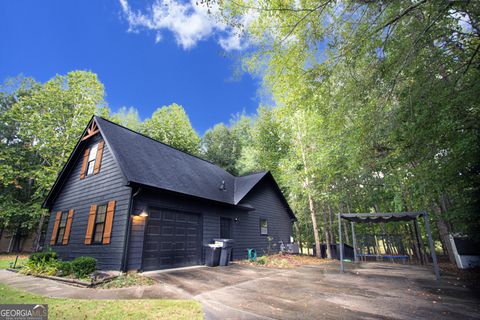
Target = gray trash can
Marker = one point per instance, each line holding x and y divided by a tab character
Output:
212	255
226	254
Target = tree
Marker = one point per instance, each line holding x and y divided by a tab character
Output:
45	122
222	147
127	117
394	86
171	125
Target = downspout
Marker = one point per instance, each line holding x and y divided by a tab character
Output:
127	233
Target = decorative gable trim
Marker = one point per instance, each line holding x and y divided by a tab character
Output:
92	130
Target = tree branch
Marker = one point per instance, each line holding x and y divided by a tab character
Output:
401	15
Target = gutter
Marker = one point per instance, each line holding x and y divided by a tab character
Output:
126	241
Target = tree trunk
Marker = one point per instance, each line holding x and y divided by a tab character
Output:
38	234
331	230
314	223
345	228
443	226
328	236
414	244
309	193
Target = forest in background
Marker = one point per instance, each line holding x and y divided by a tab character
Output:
376	109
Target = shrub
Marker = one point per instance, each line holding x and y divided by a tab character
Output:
47	256
83	266
262	260
41	267
65	267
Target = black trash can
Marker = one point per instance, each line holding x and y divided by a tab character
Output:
212	255
226	254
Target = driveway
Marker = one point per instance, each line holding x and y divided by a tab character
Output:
370	291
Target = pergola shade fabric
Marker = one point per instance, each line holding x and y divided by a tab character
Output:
381	217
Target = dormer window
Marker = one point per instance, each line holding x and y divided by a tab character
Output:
91	159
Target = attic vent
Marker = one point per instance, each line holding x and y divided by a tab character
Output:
222	186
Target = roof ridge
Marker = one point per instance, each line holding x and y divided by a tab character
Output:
145	136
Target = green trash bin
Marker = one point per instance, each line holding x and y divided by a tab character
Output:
252	254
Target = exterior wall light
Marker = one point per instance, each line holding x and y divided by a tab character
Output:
143	214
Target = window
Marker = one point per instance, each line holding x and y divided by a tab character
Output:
61	228
263	227
91	159
99	226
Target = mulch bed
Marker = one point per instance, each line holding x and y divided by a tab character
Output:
471	277
285	261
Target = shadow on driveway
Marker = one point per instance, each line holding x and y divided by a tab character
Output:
365	291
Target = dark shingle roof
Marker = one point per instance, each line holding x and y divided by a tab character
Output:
244	184
148	162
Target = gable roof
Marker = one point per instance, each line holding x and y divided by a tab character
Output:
148	162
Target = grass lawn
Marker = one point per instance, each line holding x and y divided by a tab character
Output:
5	260
106	309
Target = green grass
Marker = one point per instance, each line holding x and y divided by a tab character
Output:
106	309
6	259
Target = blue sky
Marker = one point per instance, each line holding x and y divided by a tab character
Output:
145	56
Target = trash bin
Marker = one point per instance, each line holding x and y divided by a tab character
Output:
226	254
252	254
212	255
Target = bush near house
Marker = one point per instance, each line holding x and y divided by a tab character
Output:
48	264
83	266
47	256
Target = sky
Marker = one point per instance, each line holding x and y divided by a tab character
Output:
147	54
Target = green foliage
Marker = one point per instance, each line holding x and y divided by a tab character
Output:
65	267
222	147
128	118
171	125
83	266
42	263
47	256
261	260
41	124
376	106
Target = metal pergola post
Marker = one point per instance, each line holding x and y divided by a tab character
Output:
342	269
354	242
432	247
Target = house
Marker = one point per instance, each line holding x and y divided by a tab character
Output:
134	203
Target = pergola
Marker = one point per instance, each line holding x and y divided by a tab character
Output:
384	218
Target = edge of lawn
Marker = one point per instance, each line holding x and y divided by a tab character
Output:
60	308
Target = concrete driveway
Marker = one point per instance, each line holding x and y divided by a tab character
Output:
368	291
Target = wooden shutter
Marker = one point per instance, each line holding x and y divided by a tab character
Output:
98	159
91	223
67	227
55	227
109	222
84	164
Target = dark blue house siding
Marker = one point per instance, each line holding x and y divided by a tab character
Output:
108	184
268	205
245	224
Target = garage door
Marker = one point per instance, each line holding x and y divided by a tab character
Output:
173	239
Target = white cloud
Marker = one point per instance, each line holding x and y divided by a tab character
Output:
187	21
